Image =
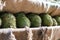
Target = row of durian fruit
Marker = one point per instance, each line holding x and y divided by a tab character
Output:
21	20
